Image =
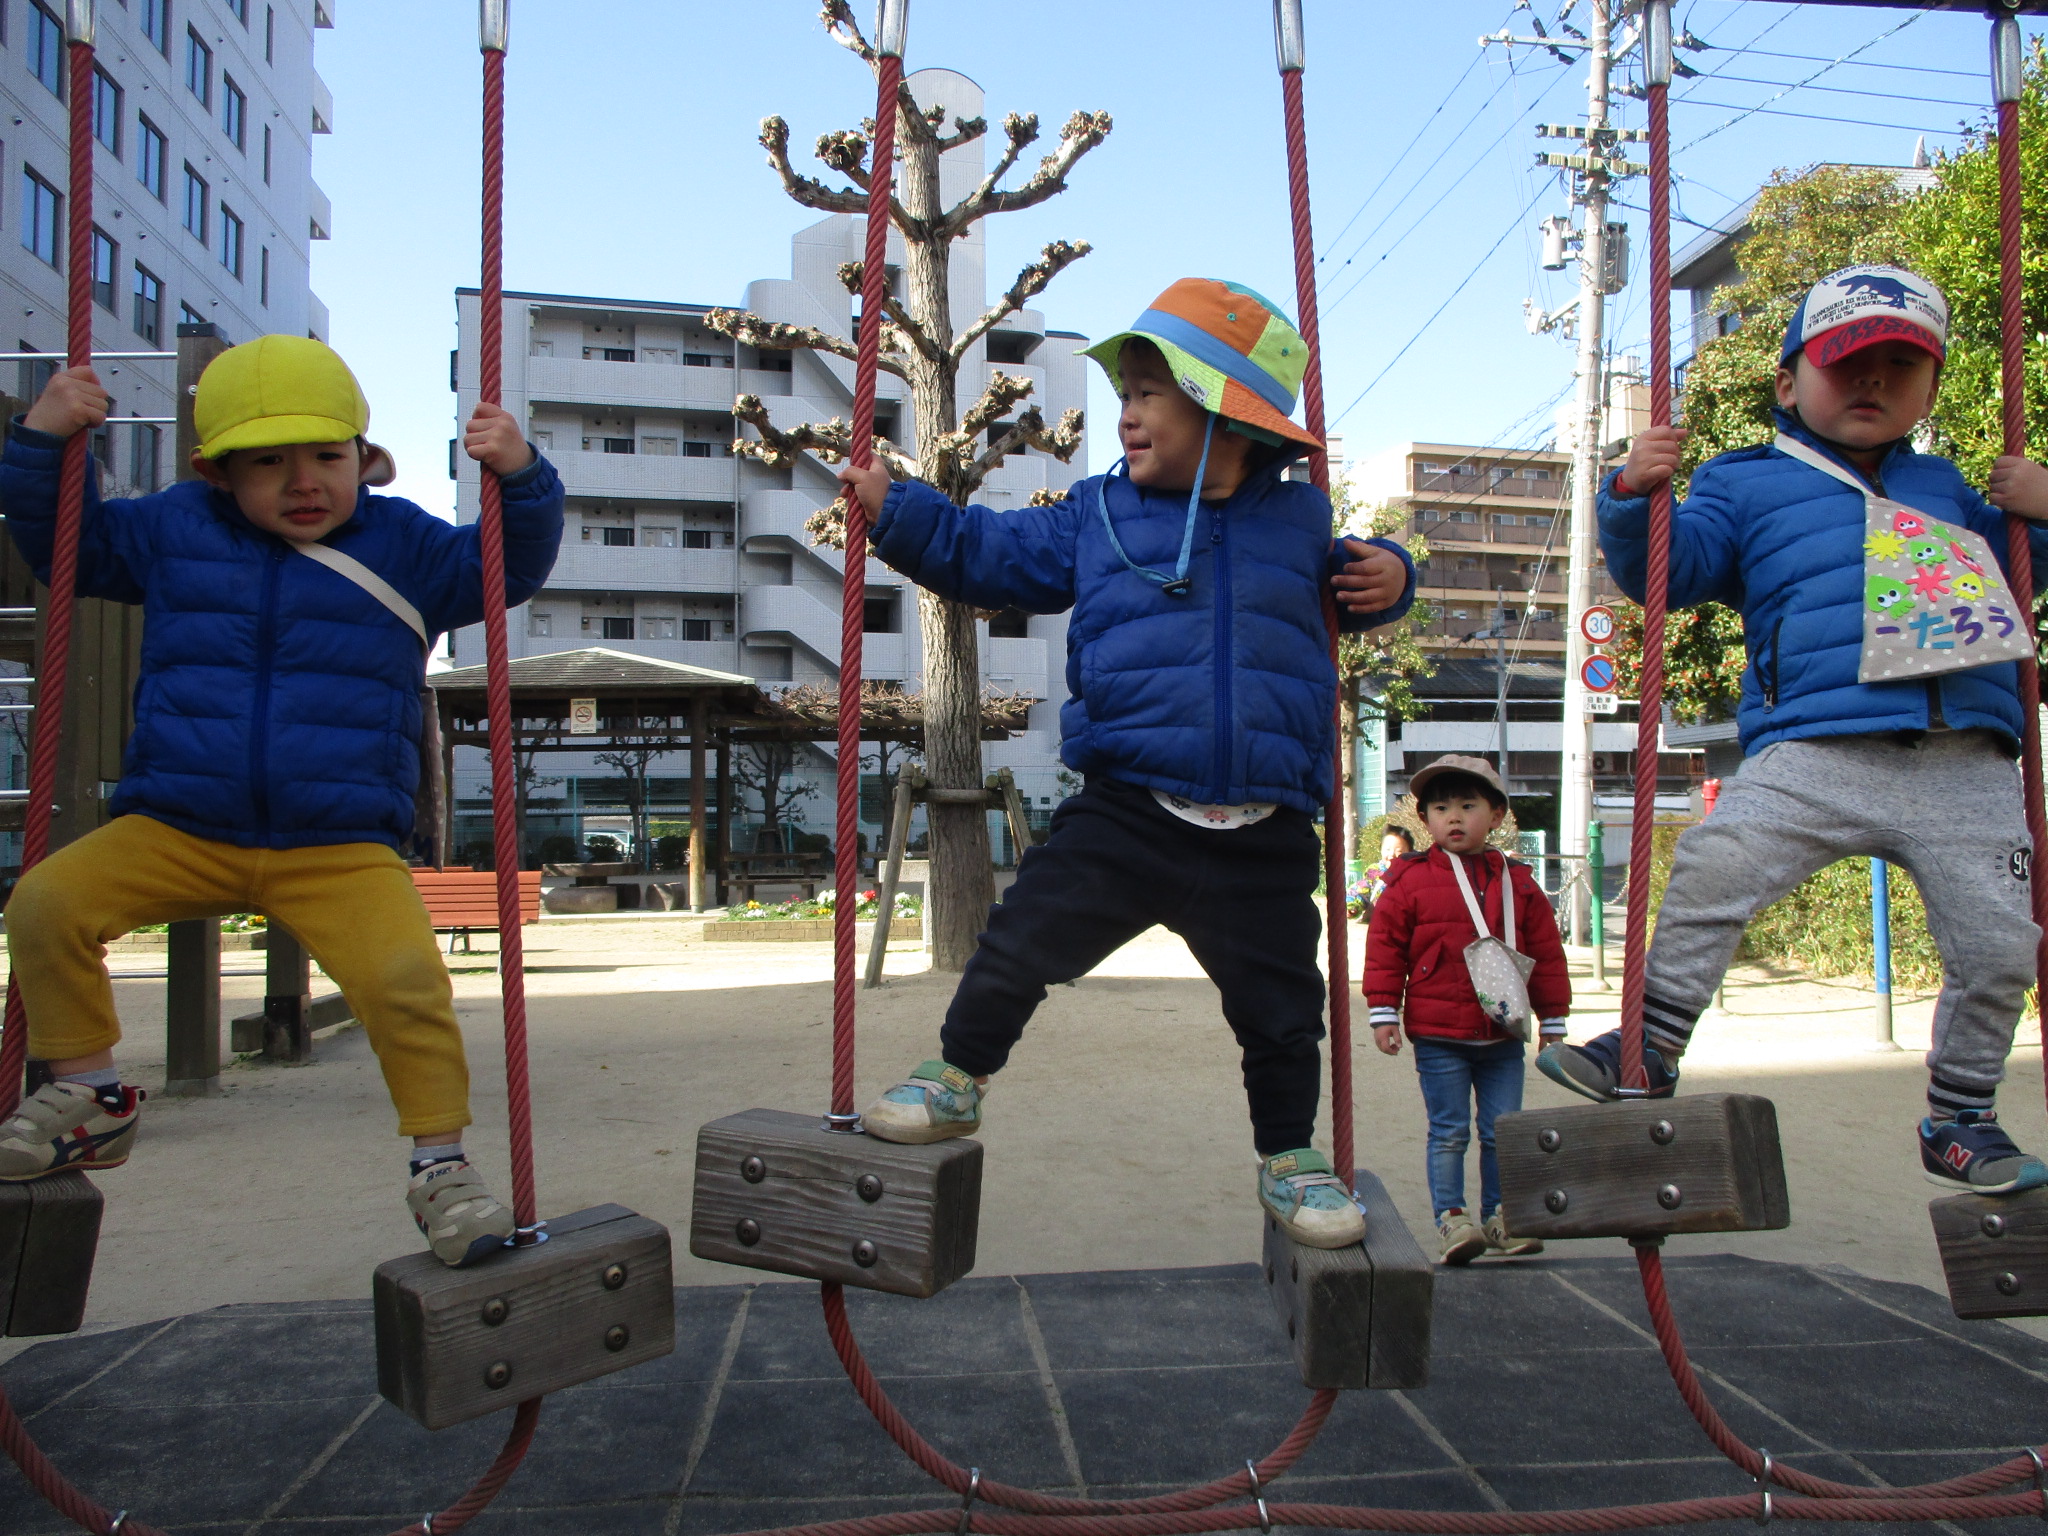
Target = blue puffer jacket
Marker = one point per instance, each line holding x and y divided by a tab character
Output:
1783	542
278	705
1224	695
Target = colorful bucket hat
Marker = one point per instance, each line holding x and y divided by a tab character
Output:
1857	307
1233	352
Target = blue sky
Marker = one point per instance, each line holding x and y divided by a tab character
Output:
633	171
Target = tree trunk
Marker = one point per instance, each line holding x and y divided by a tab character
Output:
961	887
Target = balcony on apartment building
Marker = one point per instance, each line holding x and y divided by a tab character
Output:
665	378
1432	578
798	612
1016	664
676	475
645	567
1486	482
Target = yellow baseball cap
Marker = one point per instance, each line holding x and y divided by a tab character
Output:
279	390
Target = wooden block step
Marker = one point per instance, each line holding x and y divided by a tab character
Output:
1357	1316
49	1232
1994	1250
455	1344
1704	1162
777	1191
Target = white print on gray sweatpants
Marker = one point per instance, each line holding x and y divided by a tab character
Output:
1946	809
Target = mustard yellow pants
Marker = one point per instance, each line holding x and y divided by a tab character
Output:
353	906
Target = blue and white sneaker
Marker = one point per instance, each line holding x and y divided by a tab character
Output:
67	1125
1594	1069
1312	1205
1972	1155
934	1102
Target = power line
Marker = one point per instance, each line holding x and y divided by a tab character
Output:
1395	164
1845	58
1812	117
1817	58
1514	225
1838	90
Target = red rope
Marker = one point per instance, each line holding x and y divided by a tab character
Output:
874	286
2019	556
53	667
956	1477
1335	812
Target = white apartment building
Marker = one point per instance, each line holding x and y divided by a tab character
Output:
679	549
204	205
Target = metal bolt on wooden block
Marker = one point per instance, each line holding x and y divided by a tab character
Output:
1706	1162
1357	1316
1994	1251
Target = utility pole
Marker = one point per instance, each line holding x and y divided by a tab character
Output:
1602	264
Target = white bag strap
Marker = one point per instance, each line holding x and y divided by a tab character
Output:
1507	899
1791	447
352	569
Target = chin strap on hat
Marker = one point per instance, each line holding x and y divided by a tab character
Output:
1176	585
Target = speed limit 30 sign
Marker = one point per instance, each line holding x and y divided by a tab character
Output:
1597	624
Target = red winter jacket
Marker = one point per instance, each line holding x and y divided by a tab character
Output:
1415	947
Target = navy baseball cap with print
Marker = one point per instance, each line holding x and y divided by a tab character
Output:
1857	307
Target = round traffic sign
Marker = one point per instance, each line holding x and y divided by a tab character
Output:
1597	673
1597	624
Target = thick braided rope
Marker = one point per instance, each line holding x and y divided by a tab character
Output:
53	667
1335	817
937	1467
1650	692
2019	556
1240	1517
853	591
473	1503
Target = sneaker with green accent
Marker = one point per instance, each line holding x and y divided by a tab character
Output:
1312	1205
934	1102
463	1225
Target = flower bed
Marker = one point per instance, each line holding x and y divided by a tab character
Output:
810	918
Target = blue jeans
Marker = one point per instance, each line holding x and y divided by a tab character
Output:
1453	1076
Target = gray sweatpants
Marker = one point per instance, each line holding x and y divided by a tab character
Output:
1947	809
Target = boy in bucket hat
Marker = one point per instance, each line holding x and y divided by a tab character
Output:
275	752
1880	712
1467	1055
1200	701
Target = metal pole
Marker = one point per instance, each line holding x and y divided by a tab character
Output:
1500	681
1881	954
1576	800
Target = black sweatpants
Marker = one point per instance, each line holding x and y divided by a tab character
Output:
1118	862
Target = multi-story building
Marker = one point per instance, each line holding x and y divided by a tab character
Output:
204	205
678	548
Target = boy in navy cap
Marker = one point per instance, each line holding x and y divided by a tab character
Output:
1880	712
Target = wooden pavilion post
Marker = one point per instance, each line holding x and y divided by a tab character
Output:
700	714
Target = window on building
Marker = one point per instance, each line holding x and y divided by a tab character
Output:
106	111
196	206
270	34
156	24
46	49
1461	517
610	445
657	629
149	305
230	240
151	151
1536	472
608	354
266	154
263	277
776	362
145	454
707	360
42	207
658	537
618	538
234	112
1010	624
540	624
697	629
878	615
36	373
618	629
198	68
104	255
187	315
698	450
240	8
696	538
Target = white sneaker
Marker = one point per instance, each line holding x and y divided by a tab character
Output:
64	1125
934	1102
462	1223
1459	1239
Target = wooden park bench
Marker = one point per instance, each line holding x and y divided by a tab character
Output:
460	900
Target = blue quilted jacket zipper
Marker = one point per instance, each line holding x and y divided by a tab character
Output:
1223	656
266	647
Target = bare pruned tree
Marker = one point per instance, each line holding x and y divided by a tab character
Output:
634	755
921	345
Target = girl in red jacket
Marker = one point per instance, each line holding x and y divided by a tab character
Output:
1415	975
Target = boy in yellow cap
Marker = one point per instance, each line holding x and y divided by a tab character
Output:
1202	696
275	753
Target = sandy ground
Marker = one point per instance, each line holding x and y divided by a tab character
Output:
1116	1139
